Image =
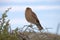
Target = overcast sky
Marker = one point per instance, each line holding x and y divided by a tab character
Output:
47	11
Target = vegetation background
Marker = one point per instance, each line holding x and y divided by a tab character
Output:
6	33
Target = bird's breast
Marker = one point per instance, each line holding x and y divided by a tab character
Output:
28	16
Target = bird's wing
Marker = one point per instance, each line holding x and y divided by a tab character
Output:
35	17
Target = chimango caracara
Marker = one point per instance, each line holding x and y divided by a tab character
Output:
32	18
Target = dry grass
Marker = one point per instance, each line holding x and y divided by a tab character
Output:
42	36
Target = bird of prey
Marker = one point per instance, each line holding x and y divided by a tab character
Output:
31	17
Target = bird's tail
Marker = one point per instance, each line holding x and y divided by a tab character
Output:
39	26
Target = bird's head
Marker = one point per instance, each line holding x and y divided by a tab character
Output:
28	8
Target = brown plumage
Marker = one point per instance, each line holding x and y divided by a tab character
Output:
32	18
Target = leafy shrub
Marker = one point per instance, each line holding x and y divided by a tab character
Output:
4	27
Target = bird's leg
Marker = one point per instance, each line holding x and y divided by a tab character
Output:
30	25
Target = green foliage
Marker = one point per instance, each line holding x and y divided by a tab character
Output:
4	27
